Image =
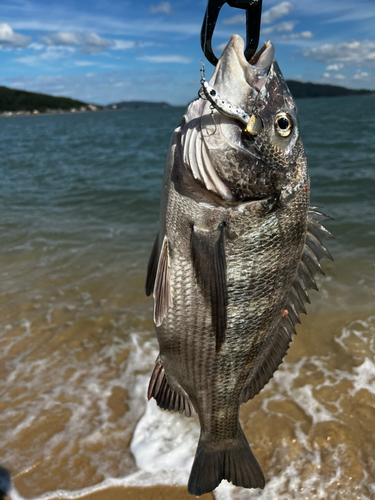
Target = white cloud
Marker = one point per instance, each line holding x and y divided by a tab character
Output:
304	35
337	76
15	84
165	59
271	15
11	40
36	46
280	27
61	38
162	7
237	19
350	53
107	24
93	43
51	54
335	67
361	75
280	10
128	44
84	63
89	43
122	84
123	45
29	60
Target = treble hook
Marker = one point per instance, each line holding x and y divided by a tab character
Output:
253	12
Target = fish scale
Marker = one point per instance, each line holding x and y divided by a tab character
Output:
232	262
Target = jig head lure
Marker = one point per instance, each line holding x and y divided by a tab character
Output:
253	124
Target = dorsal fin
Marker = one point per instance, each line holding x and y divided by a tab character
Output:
312	253
208	254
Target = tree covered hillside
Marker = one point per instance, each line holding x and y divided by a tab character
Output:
21	100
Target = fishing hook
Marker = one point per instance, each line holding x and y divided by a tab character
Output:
253	13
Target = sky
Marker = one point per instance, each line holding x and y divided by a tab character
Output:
106	52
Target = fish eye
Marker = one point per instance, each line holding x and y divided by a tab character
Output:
283	124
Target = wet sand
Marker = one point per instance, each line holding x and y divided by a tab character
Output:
72	393
134	493
312	416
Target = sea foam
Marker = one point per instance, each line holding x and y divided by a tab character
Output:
164	443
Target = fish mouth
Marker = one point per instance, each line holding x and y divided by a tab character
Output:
237	79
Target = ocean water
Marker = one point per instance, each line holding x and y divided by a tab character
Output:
79	212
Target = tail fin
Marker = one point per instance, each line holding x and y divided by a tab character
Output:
236	463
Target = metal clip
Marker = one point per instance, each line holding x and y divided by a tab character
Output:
253	13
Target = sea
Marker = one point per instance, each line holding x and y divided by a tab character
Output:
79	198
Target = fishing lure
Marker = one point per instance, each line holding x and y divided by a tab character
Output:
253	124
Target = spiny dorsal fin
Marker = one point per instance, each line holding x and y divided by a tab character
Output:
208	254
166	398
162	292
313	210
313	252
315	228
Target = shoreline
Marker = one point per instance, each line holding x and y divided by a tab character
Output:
120	492
158	492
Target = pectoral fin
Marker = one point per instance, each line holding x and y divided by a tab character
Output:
157	280
208	254
162	291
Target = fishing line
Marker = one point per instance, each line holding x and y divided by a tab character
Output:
203	73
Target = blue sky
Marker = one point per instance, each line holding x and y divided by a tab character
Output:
104	52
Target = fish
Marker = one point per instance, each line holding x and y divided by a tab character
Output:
236	253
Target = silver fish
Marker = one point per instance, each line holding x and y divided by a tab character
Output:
235	256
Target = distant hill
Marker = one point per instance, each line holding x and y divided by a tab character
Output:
21	100
302	90
138	104
299	90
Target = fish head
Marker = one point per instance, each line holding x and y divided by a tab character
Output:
275	108
266	156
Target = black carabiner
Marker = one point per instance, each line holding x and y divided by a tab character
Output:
253	13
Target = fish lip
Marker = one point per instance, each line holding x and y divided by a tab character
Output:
235	77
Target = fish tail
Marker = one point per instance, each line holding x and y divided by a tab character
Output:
235	462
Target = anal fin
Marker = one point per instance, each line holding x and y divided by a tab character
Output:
166	398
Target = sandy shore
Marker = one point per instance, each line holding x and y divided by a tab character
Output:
150	493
